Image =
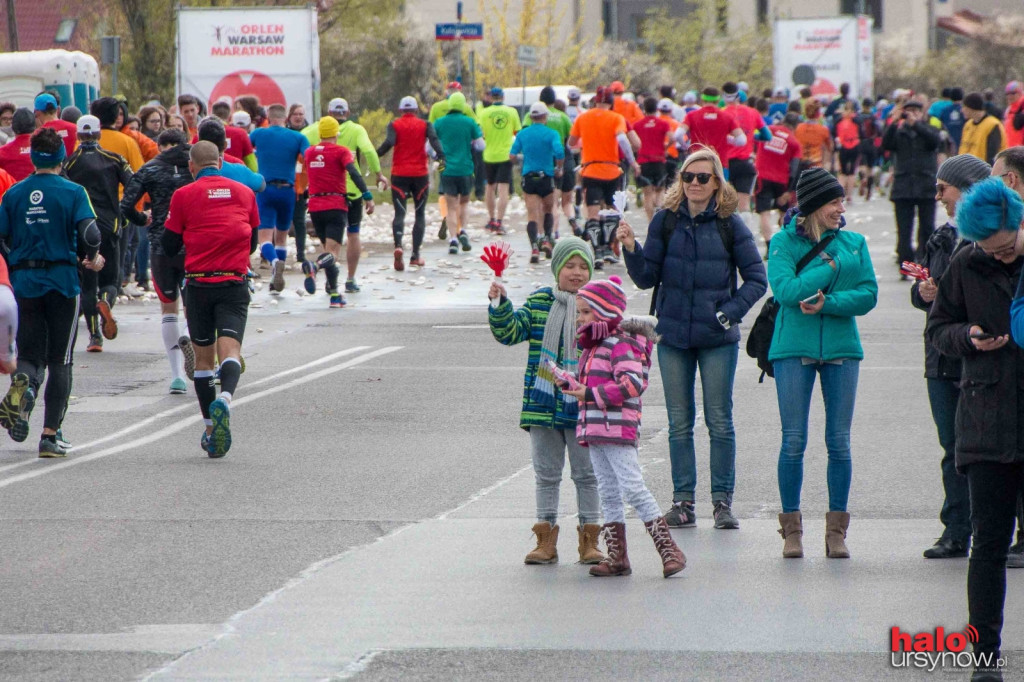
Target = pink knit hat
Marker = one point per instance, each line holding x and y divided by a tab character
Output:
606	297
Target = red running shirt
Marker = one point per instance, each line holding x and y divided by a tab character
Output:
773	160
67	131
653	133
749	122
215	217
325	166
710	126
238	142
15	157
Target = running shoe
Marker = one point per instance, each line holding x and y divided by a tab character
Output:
576	230
189	353
49	449
464	241
337	301
309	270
492	225
547	247
416	260
204	443
499	228
453	247
95	344
62	441
681	515
724	518
220	437
351	287
535	255
19	432
109	324
399	263
10	406
277	280
178	386
442	234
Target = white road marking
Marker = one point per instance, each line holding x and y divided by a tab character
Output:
195	418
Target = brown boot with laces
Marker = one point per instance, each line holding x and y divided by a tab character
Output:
546	551
589	553
617	561
672	558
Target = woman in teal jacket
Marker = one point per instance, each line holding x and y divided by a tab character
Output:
816	334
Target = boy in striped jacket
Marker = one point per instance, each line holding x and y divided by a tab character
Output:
614	368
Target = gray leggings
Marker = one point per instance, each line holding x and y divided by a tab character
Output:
548	447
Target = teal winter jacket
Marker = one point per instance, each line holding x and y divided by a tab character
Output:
850	290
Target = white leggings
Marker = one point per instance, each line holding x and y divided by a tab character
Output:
8	323
618	476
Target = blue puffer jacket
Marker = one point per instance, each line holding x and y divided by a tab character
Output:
698	278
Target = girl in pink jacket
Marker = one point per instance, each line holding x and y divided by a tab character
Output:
614	368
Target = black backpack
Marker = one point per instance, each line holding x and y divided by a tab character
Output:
759	339
668	226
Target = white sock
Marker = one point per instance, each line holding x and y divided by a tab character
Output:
225	396
170	331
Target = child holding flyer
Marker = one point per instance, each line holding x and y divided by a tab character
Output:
614	367
548	321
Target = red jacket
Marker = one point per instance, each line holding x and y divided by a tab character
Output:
1014	137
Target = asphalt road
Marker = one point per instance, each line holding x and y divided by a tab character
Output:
370	520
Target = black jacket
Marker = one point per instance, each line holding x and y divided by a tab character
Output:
159	178
977	289
102	173
915	160
938	251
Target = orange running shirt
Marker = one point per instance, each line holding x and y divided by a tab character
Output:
813	137
597	130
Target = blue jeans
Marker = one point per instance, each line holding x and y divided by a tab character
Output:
678	373
943	395
794	382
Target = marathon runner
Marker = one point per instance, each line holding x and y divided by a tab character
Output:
47	223
666	109
104	175
212	130
47	108
778	166
160	178
459	135
442	107
499	123
655	137
848	143
278	149
409	136
739	159
213	219
542	152
714	128
565	186
354	137
15	156
329	165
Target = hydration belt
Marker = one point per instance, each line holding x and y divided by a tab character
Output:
327	194
40	264
280	183
219	273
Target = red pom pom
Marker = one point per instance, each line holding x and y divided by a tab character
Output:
616	279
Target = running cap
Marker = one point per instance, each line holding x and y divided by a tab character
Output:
617	87
23	121
89	125
781	92
455	85
408	103
46	101
690	97
497	92
70	114
538	110
337	106
204	154
665	104
574	93
241	118
456	101
604	95
328	127
1011	87
742	85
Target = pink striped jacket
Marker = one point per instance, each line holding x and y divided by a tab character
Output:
615	374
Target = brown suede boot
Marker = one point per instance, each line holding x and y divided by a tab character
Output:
836	524
589	553
672	558
792	532
546	551
617	561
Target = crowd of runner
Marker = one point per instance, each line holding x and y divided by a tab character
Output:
190	204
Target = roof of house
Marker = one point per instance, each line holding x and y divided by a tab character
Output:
39	21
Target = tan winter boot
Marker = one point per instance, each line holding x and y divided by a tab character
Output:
589	553
672	558
617	561
546	551
836	524
792	532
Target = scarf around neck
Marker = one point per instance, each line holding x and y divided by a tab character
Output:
559	339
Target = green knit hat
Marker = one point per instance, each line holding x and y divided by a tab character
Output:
566	248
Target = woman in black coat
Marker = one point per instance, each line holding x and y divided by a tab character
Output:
914	144
970	319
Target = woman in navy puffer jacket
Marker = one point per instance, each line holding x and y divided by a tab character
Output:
699	308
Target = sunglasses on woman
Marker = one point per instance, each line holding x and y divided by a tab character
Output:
702	178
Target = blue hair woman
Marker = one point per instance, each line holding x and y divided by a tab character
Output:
970	319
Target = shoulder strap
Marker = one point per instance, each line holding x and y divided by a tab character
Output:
727	233
668	226
818	248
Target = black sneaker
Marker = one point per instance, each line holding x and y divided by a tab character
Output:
947	548
464	241
443	232
681	515
453	247
49	449
724	519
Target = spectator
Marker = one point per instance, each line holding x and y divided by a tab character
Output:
983	134
153	122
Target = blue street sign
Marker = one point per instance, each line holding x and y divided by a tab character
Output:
456	31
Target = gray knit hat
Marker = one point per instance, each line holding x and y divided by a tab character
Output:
566	248
815	188
963	170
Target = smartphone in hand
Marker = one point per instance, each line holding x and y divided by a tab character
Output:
810	300
982	336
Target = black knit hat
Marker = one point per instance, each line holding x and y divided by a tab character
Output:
815	188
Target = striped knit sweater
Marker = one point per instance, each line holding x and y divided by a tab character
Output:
509	327
616	374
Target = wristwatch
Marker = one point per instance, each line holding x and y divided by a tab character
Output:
723	320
